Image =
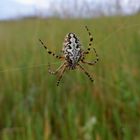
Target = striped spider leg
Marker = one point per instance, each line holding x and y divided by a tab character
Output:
61	68
89	49
49	52
59	71
83	69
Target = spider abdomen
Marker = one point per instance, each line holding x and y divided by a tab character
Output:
72	50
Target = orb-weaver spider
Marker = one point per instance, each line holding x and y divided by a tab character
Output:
73	54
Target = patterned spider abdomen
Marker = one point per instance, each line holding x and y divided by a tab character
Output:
72	50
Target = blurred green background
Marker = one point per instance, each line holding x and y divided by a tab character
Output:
32	107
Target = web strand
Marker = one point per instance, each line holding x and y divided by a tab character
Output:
24	67
113	33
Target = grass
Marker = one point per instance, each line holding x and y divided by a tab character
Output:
33	108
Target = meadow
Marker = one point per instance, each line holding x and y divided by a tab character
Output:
32	107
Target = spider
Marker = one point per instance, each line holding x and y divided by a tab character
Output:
73	54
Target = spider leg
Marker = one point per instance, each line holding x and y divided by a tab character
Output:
50	52
89	49
91	79
90	40
55	72
61	74
91	63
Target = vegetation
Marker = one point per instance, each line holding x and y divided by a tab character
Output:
32	107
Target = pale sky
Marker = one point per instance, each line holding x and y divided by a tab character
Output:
14	8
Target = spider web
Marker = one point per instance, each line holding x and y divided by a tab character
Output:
121	27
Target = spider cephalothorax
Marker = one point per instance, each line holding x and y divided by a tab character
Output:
73	55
